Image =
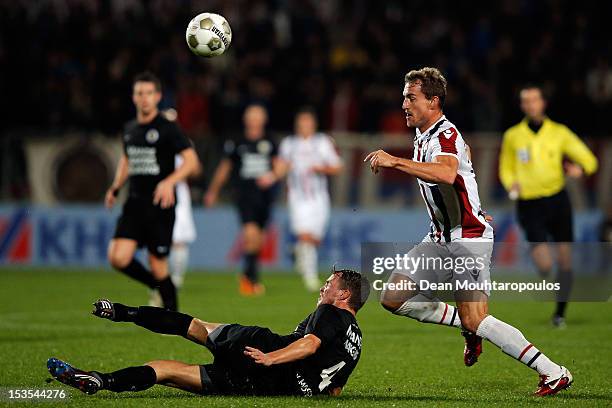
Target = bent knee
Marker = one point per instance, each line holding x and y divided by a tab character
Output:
119	261
390	305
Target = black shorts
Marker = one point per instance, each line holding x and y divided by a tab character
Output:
233	373
254	208
548	218
147	224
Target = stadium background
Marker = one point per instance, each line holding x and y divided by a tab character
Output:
65	82
67	67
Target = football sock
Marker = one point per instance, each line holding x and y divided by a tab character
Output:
306	260
512	342
250	267
179	258
128	379
154	318
137	271
565	279
167	291
428	310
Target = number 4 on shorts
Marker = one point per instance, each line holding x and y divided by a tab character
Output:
328	373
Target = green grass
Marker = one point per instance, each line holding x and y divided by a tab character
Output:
45	313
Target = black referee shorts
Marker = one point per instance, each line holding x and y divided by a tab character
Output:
255	208
149	225
233	373
547	219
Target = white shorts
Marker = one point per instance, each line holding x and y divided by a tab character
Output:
309	217
465	264
184	231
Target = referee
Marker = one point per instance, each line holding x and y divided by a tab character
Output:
531	169
150	143
250	159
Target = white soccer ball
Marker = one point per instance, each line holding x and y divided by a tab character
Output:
208	35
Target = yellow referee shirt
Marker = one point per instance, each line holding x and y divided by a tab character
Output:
535	160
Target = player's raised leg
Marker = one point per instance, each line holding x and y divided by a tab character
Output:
157	320
416	305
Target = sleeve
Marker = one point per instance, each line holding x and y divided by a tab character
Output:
324	324
578	152
301	328
447	142
178	139
230	151
328	152
284	150
507	163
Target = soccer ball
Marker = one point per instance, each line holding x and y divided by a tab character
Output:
208	35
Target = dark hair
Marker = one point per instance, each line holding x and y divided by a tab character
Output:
357	284
534	85
307	110
148	76
432	82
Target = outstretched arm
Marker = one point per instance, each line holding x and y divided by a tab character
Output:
298	350
443	168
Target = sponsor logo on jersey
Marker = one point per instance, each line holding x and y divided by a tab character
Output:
152	136
127	137
352	344
448	133
264	147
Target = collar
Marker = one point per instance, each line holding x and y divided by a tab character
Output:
525	123
419	136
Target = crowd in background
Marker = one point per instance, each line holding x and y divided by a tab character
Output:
68	64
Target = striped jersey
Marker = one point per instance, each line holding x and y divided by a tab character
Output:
455	209
303	154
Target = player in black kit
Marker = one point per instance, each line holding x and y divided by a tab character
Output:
251	158
150	143
317	358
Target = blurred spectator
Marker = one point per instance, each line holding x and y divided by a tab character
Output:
68	63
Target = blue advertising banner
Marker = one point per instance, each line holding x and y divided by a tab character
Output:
77	236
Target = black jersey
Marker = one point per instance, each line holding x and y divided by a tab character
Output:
250	159
340	350
150	149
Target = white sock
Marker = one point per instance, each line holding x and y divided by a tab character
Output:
512	342
306	260
428	310
179	258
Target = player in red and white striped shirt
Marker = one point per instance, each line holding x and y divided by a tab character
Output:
442	166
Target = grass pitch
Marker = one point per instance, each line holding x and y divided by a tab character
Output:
45	313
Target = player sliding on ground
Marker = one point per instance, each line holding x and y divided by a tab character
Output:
317	358
441	163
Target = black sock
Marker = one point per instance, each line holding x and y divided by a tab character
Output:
167	291
565	279
136	270
250	267
124	313
163	321
129	379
